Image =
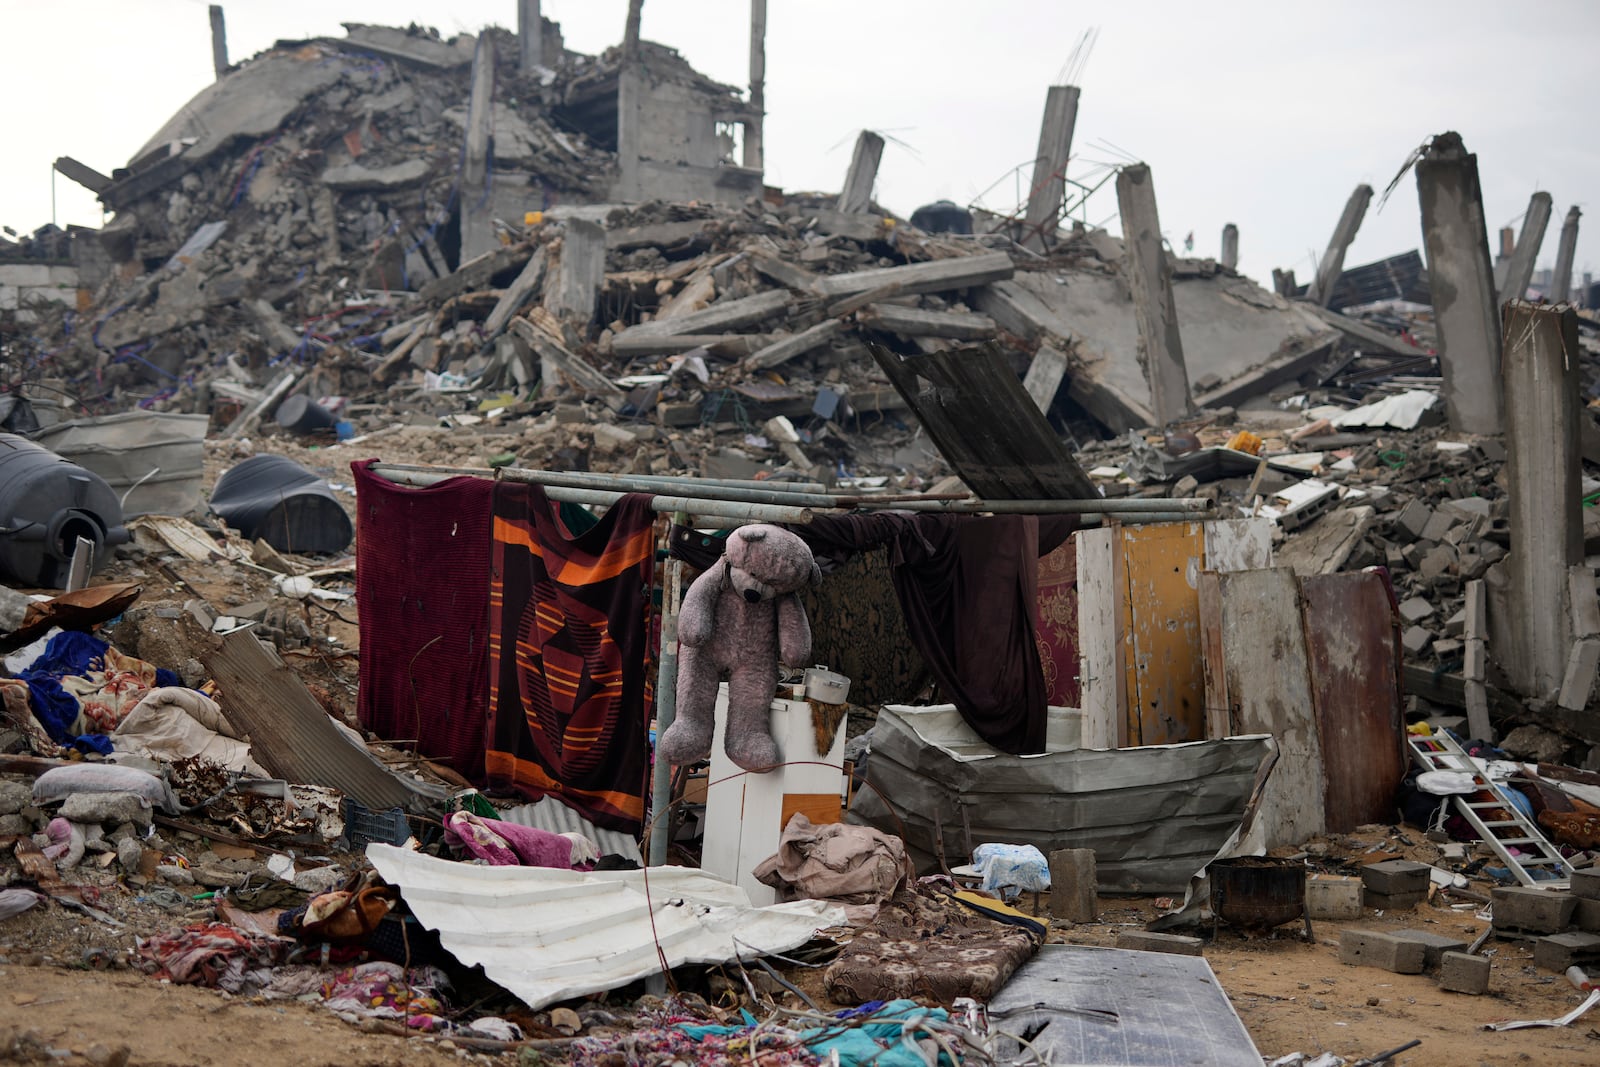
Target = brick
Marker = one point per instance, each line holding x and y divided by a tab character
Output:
1395	876
1433	945
1560	951
1586	916
1534	911
1333	897
1393	901
1145	941
1461	973
1586	883
1368	948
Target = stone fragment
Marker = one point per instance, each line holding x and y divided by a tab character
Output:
1461	973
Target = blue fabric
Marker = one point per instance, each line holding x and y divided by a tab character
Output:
69	652
884	1042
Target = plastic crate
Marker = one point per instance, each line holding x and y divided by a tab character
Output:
363	826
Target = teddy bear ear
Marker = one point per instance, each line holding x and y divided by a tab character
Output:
752	533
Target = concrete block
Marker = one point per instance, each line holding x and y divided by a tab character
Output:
1415	609
1438	526
1393	901
1461	973
1456	625
1072	885
1437	561
1586	883
1145	941
1412	520
1582	664
1572	949
1333	897
1475	660
1415	639
1533	911
1447	648
1434	946
1369	948
1396	876
1586	916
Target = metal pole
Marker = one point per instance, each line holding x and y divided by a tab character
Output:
705	489
713	509
666	703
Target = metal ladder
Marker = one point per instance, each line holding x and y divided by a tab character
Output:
1439	752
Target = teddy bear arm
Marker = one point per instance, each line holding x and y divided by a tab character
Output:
697	615
794	632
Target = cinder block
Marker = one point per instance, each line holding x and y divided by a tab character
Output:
1396	876
1533	911
1145	941
1438	526
1330	896
1586	916
1393	901
1368	948
1461	973
1572	949
1412	520
1415	639
1586	883
1434	946
1415	609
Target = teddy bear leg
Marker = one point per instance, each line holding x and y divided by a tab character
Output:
747	738
688	739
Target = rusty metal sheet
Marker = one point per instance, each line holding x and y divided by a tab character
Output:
1353	649
981	419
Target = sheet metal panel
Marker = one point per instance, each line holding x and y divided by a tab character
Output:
547	935
984	422
1154	815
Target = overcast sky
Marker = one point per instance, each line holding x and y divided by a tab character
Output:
1266	115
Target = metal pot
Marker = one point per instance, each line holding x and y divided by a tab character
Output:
1258	892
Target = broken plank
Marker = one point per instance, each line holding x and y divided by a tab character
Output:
473	274
1043	379
916	322
385	370
719	317
790	347
934	276
515	296
840	308
784	273
279	389
695	295
583	376
291	735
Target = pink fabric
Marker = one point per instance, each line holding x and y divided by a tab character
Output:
508	844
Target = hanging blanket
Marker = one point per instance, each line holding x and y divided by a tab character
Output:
1056	619
569	672
422	593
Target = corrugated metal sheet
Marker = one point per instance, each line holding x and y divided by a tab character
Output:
547	935
980	418
1153	815
552	815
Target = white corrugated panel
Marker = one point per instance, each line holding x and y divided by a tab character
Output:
552	815
547	935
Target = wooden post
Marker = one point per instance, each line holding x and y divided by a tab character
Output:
1073	885
1332	265
1461	278
856	196
1049	185
219	42
1230	246
754	156
1149	276
1561	281
1543	460
530	34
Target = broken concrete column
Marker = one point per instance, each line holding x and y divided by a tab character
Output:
1283	282
856	196
1150	283
530	34
1561	280
1230	246
219	42
1049	186
477	217
1462	280
1532	626
753	150
1332	265
580	271
1519	270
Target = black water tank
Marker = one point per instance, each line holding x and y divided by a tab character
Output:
282	503
942	216
46	504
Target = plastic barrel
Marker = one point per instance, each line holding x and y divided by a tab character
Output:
46	505
303	415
